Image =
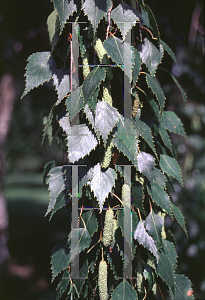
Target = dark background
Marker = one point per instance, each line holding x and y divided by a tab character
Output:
23	31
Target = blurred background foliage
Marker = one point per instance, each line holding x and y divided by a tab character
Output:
23	31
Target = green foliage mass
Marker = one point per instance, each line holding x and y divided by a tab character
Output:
90	116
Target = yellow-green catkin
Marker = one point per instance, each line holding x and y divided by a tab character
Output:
115	226
86	68
126	195
102	55
108	227
136	106
140	277
102	280
107	156
107	93
154	289
163	215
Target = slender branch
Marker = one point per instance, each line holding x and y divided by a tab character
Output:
117	198
108	26
71	65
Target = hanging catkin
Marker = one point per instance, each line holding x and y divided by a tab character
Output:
102	280
86	68
107	156
103	58
107	93
136	106
163	215
139	270
108	227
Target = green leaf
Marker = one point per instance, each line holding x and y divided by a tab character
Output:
120	53
62	199
48	129
65	123
145	239
63	284
74	102
124	291
46	169
150	55
165	137
125	139
53	29
155	108
122	147
144	131
146	164
165	270
135	221
172	123
182	286
80	141
180	88
90	222
144	17
60	258
159	178
124	13
125	226
106	117
137	196
169	51
170	251
116	263
65	9
85	174
83	273
56	186
153	22
96	10
61	80
93	100
179	217
102	183
136	64
160	197
170	166
38	70
80	239
154	224
157	90
92	81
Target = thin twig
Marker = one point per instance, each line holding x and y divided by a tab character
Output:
117	198
108	26
139	214
71	65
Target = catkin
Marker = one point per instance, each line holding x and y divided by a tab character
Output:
102	280
115	226
163	215
108	156
100	50
86	68
139	276
136	106
126	196
108	227
102	55
107	93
